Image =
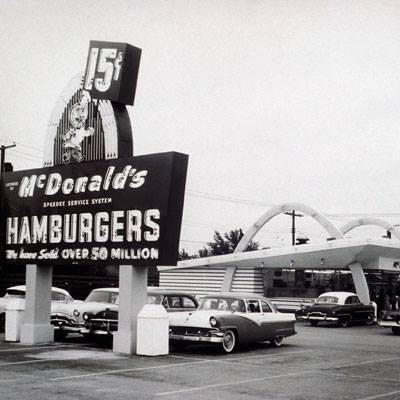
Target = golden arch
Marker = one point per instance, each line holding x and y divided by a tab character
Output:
332	230
370	221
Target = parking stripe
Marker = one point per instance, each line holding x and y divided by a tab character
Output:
32	348
21	362
367	362
366	377
216	385
118	371
380	396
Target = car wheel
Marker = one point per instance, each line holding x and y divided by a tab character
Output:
277	342
396	330
313	323
178	345
60	335
370	319
344	322
229	341
2	322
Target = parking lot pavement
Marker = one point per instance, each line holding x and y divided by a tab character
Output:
355	363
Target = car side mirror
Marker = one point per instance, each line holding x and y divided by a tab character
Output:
233	309
275	307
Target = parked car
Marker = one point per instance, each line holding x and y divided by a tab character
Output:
391	319
230	319
341	308
105	322
72	317
59	298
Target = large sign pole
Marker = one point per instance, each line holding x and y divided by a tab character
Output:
36	327
94	203
132	298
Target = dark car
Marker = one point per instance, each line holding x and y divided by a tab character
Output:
341	308
391	319
230	319
105	322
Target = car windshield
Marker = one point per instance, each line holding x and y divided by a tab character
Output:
15	294
154	298
327	299
102	297
222	303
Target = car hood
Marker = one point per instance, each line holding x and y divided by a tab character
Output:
84	307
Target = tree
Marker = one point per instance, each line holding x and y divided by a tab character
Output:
226	243
222	244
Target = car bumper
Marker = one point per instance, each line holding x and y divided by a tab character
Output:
215	338
319	318
389	324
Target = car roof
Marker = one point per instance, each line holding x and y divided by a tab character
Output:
342	296
158	290
53	289
338	294
236	295
108	289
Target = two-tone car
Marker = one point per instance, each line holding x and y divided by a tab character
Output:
59	299
341	308
391	319
231	319
72	317
105	321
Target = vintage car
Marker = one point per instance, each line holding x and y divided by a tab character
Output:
341	308
391	319
59	298
231	319
105	322
72	317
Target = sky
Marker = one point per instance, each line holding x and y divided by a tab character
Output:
273	101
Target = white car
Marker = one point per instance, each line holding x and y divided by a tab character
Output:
59	298
72	317
230	319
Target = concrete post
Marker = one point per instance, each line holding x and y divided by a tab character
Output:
360	282
36	327
228	278
132	298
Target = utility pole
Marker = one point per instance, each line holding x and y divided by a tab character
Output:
294	215
3	154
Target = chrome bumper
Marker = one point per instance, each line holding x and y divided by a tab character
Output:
389	324
322	318
216	338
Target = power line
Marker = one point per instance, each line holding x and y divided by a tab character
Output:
26	145
27	154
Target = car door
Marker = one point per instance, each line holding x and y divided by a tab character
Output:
257	329
360	311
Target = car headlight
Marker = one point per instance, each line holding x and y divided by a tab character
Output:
86	316
76	313
213	321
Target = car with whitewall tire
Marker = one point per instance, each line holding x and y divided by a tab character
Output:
230	319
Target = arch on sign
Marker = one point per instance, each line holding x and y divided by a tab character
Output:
332	230
107	129
370	221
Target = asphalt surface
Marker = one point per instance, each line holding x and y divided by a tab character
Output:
355	363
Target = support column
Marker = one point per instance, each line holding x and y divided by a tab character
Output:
228	278
36	327
132	298
360	282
